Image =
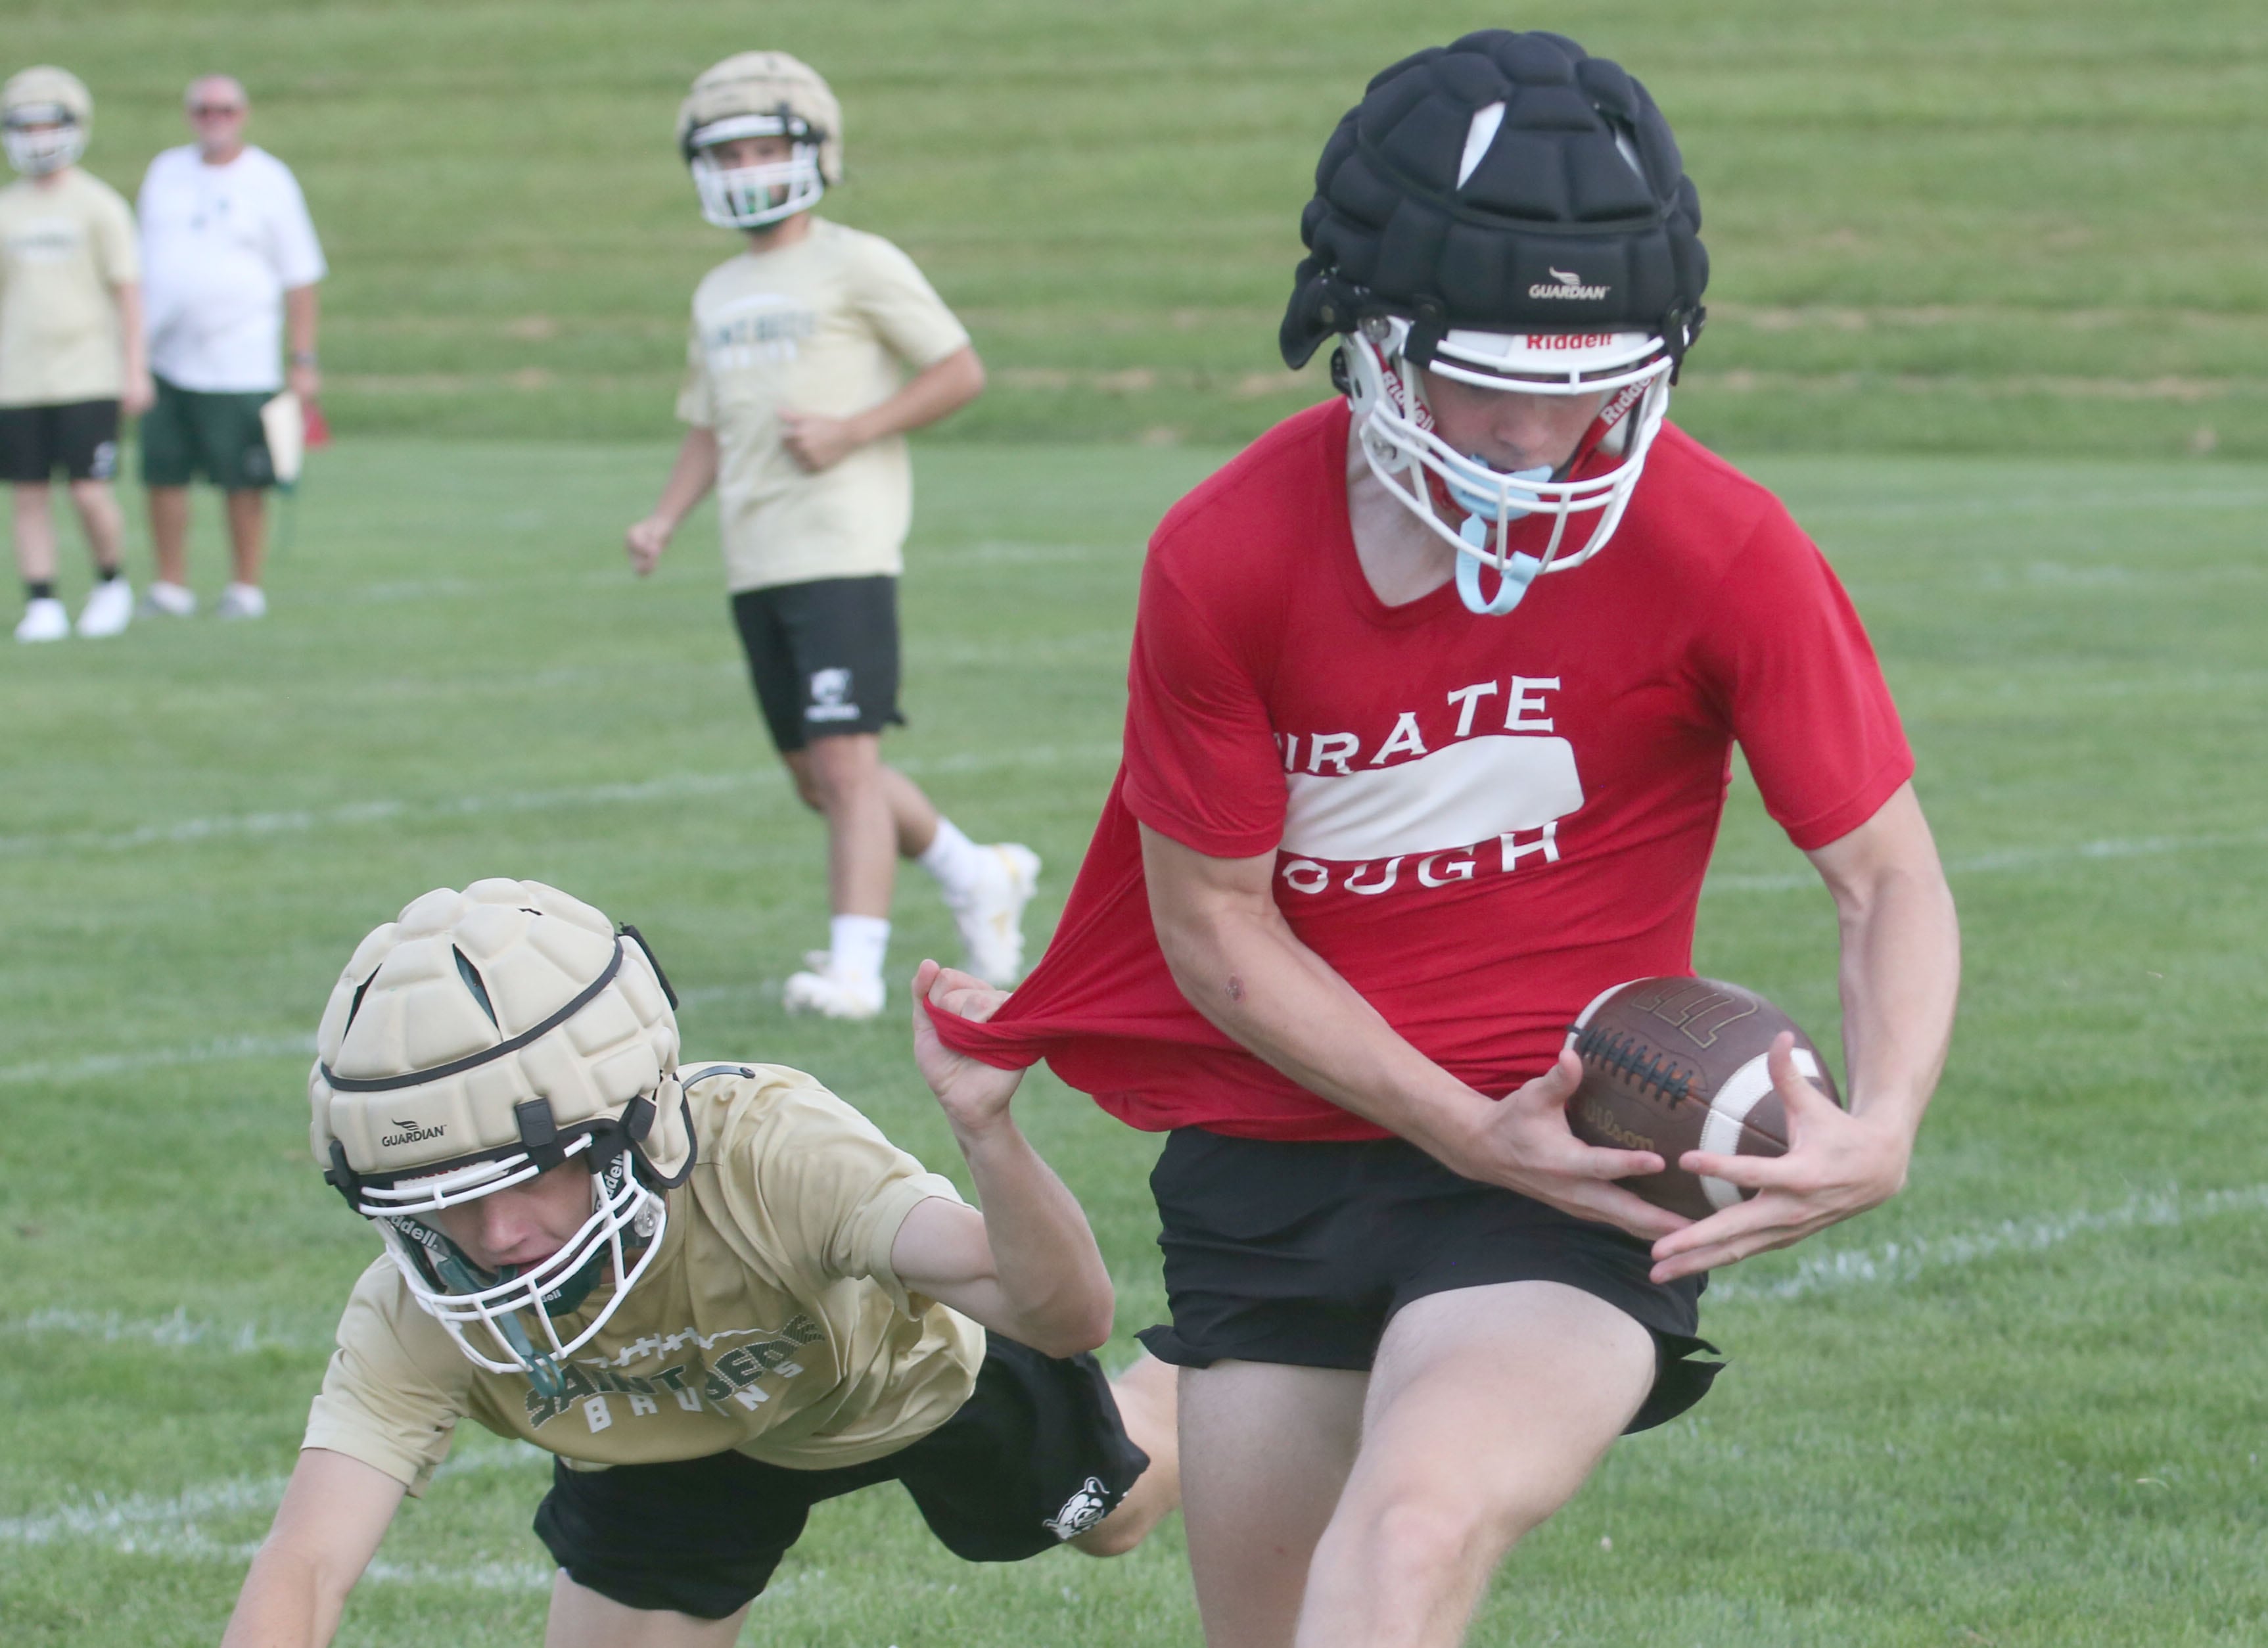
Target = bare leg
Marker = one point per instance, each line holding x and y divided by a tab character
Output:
1488	1407
169	532
35	532
874	814
1265	1449
99	515
1146	1394
581	1618
247	532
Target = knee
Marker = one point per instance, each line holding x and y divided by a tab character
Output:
1430	1537
1145	1506
834	773
1112	1538
807	788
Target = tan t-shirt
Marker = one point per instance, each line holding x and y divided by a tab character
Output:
63	250
769	1322
828	325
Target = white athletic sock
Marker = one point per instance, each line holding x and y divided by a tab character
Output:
956	861
856	943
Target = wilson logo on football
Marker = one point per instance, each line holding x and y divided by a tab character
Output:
1571	286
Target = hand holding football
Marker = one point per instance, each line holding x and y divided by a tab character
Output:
1672	1065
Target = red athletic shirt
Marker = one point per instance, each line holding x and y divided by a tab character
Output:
1480	821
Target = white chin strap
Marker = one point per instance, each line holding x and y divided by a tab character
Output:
1396	427
750	197
501	1325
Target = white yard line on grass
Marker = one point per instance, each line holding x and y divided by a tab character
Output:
301	1046
2021	859
677	786
1914	1256
174	1527
2044	504
180	1331
219	1051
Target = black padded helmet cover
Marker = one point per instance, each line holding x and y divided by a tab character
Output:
1551	230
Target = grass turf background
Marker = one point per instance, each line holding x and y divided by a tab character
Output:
2012	1407
2015	1407
2015	226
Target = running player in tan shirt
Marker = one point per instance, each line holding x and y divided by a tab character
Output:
798	400
716	1293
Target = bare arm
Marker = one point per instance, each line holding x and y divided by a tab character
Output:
335	1512
299	309
690	477
1240	964
817	442
1027	1265
136	396
1900	972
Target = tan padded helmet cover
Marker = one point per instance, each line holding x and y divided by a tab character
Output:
758	83
49	84
535	950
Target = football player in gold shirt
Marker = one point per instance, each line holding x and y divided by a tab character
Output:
716	1293
812	353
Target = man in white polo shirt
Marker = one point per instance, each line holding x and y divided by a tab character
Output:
231	262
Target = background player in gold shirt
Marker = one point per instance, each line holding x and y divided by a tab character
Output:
798	403
717	1294
72	355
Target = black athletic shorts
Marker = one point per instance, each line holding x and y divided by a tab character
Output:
1302	1252
1035	1455
80	438
823	656
212	433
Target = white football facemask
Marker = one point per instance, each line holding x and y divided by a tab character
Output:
751	197
489	1314
1396	427
41	138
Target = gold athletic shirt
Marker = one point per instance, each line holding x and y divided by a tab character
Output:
826	325
770	1322
62	249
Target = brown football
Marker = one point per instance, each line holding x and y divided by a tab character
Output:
1672	1065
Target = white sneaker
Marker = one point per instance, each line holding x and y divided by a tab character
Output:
44	620
241	600
829	993
990	914
109	609
162	600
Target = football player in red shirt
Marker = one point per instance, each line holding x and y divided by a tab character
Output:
1433	703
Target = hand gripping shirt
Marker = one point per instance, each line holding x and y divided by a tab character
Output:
828	325
64	250
1480	822
769	1323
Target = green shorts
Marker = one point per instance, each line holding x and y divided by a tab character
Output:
213	434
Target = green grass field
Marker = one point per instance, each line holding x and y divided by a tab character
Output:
1941	226
1990	308
2016	1407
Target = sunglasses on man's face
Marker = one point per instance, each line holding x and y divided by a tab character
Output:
215	111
